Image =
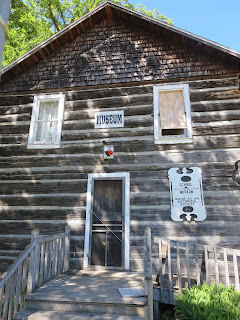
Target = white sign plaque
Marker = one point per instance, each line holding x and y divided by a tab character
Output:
109	119
186	194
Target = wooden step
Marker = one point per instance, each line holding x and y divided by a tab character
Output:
87	293
53	315
134	309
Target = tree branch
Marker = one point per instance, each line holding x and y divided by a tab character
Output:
54	20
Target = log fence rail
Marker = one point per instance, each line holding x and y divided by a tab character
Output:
43	259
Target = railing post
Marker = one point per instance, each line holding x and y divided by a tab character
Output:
66	249
33	264
148	286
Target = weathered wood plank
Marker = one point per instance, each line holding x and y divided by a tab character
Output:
128	145
215	105
15	100
59	269
215	95
46	255
188	266
216	265
114	102
148	287
179	269
209	83
206	263
191	230
42	252
24	284
13	139
77	200
50	253
90	112
197	264
1	299
160	267
205	117
114	92
18	288
66	249
226	267
71	187
39	187
53	257
16	109
156	171
129	122
236	273
216	130
11	296
33	264
71	135
67	201
171	296
6	299
15	118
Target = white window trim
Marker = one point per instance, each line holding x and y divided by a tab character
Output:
36	103
158	138
117	175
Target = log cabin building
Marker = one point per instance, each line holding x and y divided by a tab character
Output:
92	119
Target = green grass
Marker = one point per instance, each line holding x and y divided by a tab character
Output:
208	303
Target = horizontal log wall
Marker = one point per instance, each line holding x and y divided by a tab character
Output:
46	189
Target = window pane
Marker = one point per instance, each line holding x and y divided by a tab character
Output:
172	115
48	110
46	132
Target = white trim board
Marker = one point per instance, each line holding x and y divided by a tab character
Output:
125	176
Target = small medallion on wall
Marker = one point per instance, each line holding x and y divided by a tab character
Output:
186	194
236	173
108	152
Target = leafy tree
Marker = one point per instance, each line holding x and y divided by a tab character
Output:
32	21
26	29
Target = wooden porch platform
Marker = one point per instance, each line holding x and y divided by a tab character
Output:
86	294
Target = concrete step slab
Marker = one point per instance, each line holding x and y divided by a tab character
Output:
53	315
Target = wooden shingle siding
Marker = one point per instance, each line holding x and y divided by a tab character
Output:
46	189
114	52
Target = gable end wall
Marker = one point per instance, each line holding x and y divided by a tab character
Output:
113	52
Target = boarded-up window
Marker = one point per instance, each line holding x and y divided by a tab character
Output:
172	114
172	117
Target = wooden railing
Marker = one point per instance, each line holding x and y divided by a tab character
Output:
148	286
184	264
43	259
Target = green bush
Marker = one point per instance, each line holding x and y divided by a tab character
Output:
208	303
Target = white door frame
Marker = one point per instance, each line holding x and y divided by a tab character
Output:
125	176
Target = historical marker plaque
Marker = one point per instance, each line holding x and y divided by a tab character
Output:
186	194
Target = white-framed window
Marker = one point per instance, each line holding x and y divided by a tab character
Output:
46	122
172	114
